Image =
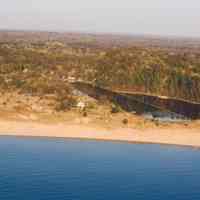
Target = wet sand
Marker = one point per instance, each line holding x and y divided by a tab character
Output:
177	136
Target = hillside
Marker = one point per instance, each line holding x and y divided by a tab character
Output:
41	63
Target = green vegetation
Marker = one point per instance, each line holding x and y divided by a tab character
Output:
45	67
151	71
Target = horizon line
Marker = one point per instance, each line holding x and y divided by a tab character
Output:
145	35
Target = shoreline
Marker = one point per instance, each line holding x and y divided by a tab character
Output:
186	137
100	140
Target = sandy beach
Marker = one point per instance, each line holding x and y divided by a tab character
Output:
30	116
183	136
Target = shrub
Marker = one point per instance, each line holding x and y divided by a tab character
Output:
115	109
66	103
125	121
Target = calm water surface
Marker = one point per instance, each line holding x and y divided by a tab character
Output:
59	169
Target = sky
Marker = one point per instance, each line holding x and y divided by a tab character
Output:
156	17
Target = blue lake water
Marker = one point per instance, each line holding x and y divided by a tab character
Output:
59	169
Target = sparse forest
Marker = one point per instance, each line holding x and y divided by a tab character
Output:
45	66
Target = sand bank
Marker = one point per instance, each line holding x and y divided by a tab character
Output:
183	136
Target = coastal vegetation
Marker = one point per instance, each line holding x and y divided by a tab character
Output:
46	66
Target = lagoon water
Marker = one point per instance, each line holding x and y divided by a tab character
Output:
61	169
